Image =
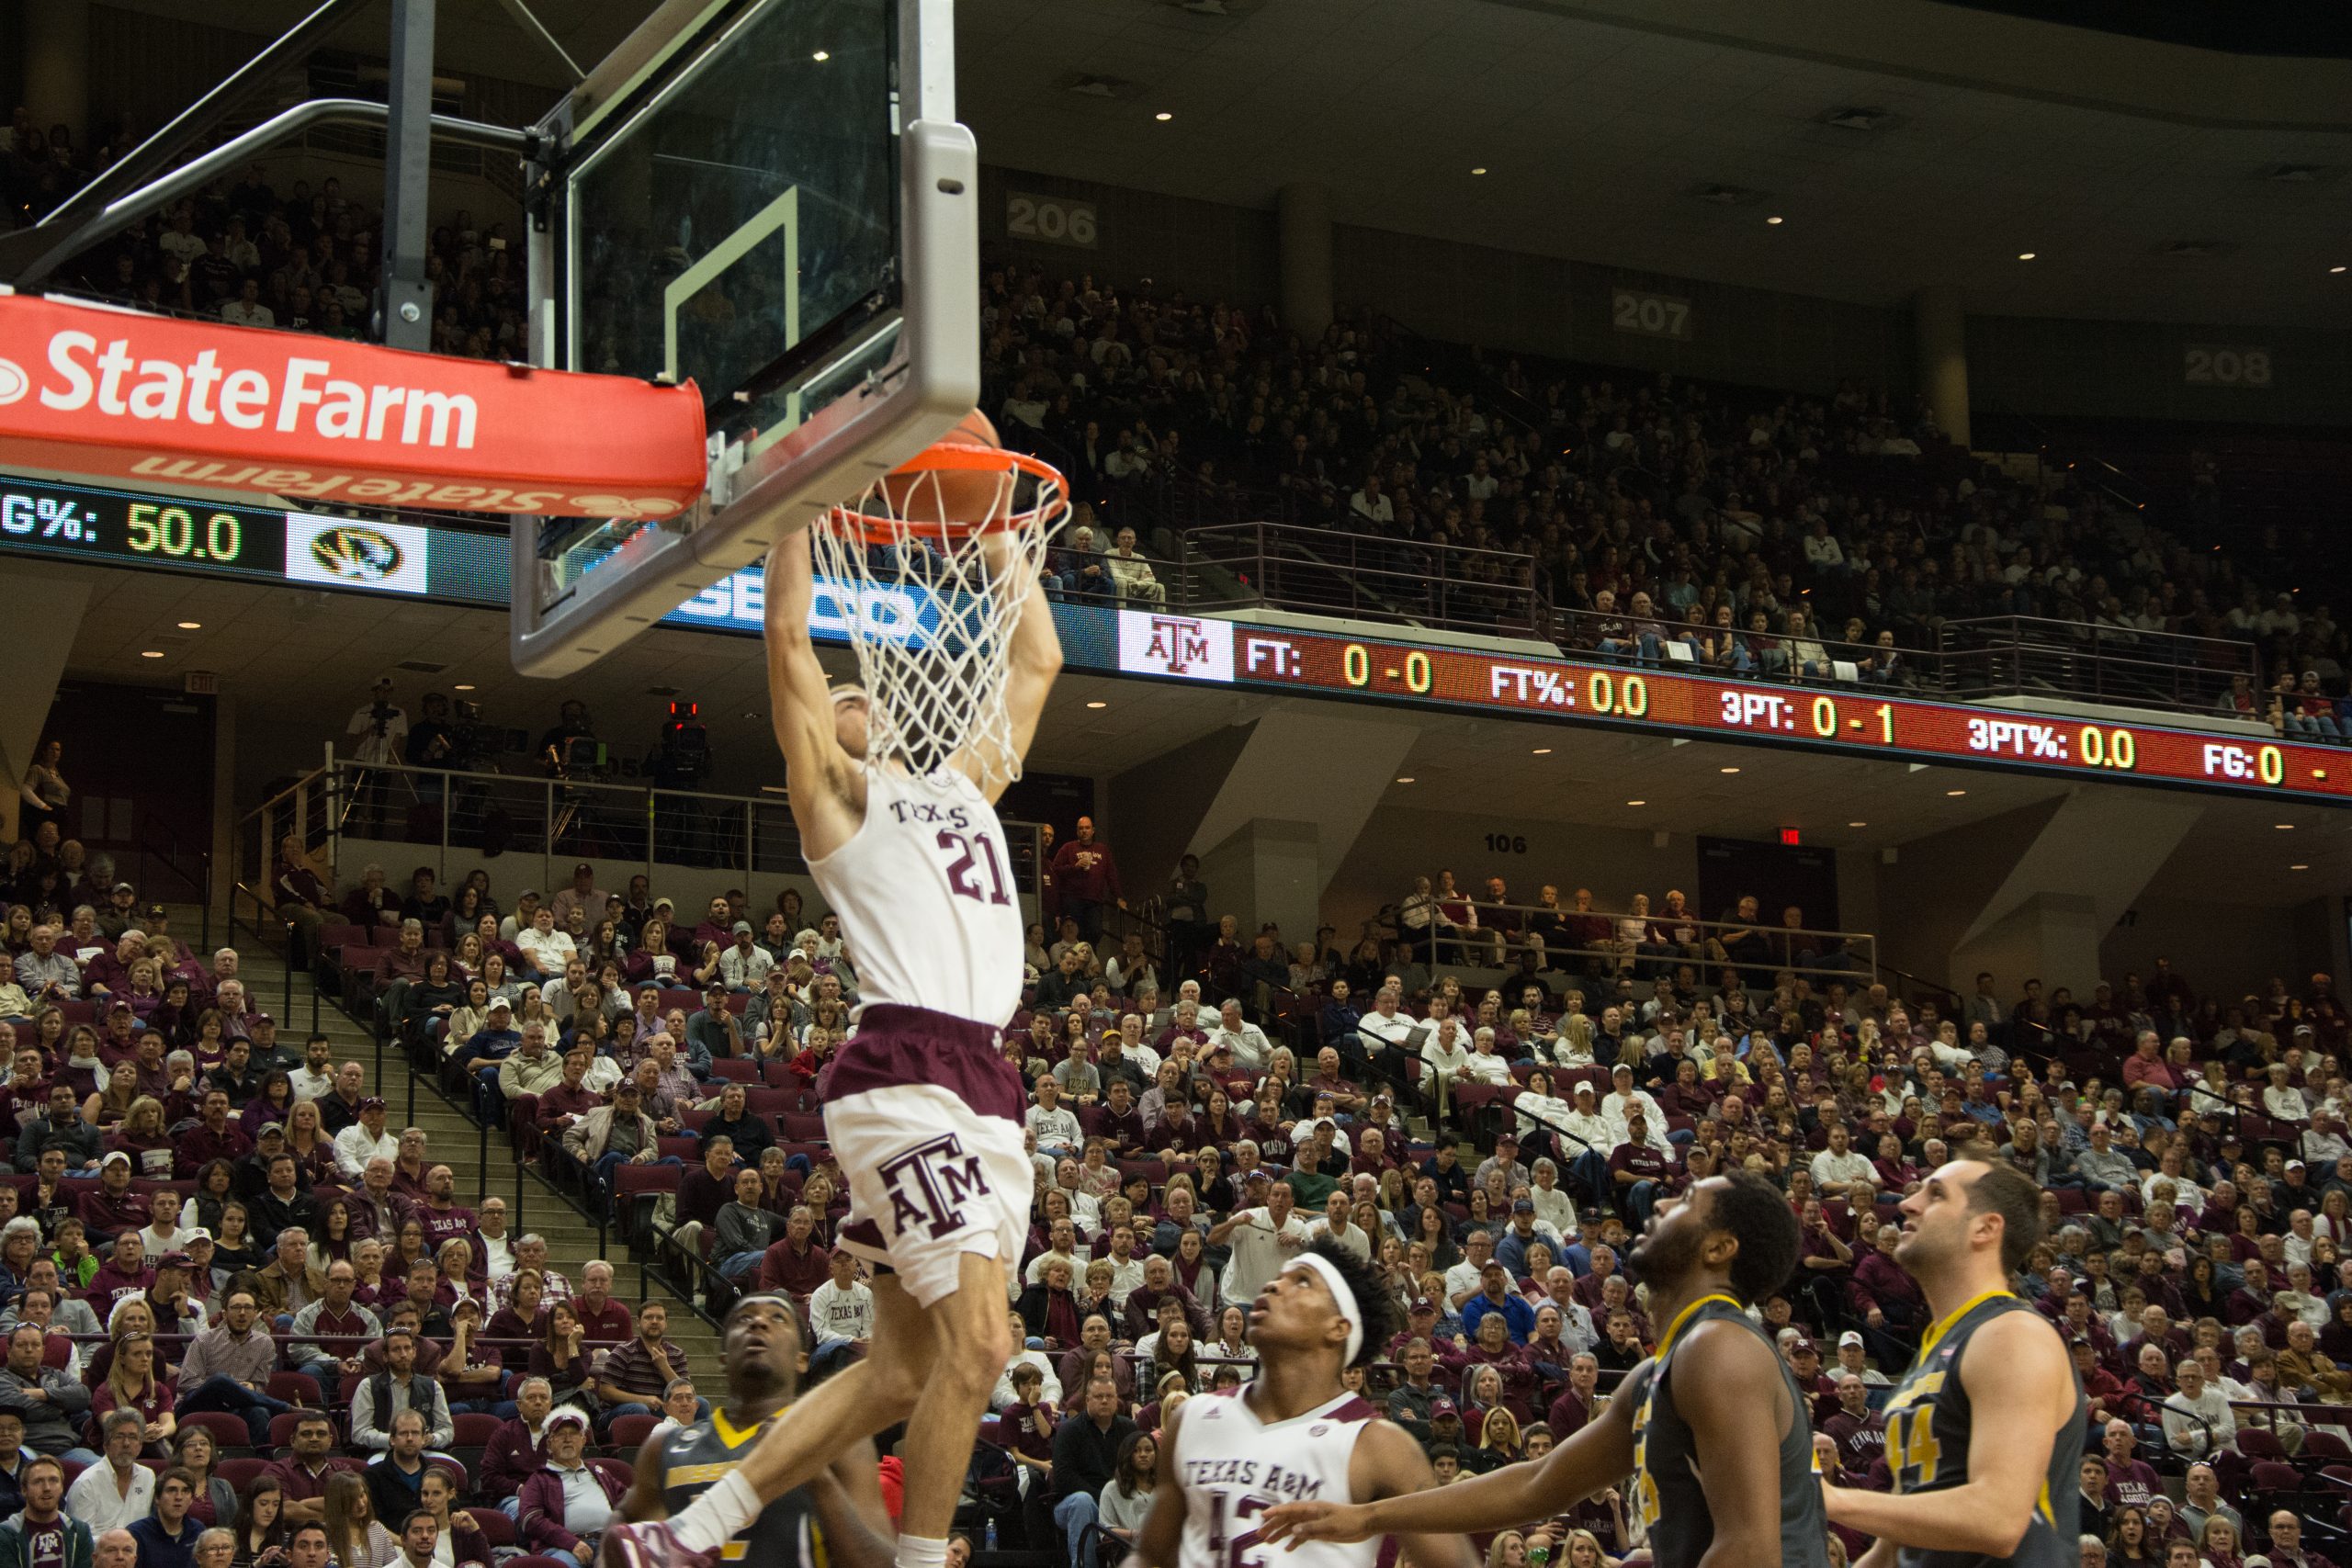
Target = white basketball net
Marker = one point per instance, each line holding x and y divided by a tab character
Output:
930	612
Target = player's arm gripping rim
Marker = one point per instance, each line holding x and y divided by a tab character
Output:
827	785
2020	1390
1031	662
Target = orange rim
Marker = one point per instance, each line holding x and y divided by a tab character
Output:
960	457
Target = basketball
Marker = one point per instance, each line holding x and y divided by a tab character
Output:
951	495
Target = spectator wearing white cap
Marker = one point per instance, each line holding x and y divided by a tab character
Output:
567	1502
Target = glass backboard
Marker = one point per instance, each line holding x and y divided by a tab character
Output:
772	198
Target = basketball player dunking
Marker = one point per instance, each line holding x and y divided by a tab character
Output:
923	1111
1984	1433
836	1521
1686	1423
1293	1431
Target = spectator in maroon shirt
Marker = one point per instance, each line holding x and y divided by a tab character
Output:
1579	1402
605	1321
797	1264
302	1476
1859	1431
2131	1481
1888	1298
1116	1121
213	1137
123	1275
1638	1172
517	1449
113	1207
1086	877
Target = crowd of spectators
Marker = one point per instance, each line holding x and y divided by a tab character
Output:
268	251
1492	1146
1767	533
244	1314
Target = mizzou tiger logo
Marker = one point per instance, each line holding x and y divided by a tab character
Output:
357	553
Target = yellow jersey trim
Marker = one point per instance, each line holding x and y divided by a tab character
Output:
1682	1319
1943	1325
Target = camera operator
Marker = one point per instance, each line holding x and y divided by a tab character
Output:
378	730
569	746
379	726
430	743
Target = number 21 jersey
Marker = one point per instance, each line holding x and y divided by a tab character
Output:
924	891
1233	1467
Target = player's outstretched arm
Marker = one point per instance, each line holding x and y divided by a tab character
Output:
1034	657
817	770
1726	1378
1398	1467
2016	1375
1162	1535
1592	1459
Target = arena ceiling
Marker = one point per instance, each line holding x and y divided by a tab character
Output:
1903	142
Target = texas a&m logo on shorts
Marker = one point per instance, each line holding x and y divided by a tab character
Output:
929	1184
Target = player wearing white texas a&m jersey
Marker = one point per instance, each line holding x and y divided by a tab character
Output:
924	891
1293	1434
924	1112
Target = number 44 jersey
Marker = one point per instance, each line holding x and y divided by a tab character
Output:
924	891
1234	1467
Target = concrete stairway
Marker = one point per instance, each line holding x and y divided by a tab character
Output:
453	1139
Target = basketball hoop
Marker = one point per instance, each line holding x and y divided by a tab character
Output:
930	568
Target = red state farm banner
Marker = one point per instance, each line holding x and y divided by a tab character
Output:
88	389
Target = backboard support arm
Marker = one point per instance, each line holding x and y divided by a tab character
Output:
128	209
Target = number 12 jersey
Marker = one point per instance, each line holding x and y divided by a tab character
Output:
1233	1467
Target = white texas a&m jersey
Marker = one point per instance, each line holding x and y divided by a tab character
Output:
924	890
1233	1467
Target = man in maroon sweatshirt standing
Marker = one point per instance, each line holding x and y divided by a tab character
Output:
1086	877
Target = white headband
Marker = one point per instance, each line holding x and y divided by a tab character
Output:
1344	1298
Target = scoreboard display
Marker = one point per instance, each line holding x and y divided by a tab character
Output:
460	565
1858	718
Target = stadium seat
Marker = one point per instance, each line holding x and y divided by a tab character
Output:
474	1428
628	1431
735	1069
298	1389
228	1431
239	1473
496	1528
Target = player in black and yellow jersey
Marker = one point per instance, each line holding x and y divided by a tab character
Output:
837	1520
1984	1433
1690	1424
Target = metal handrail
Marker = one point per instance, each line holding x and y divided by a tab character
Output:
568	819
1862	943
1324	571
1585	630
